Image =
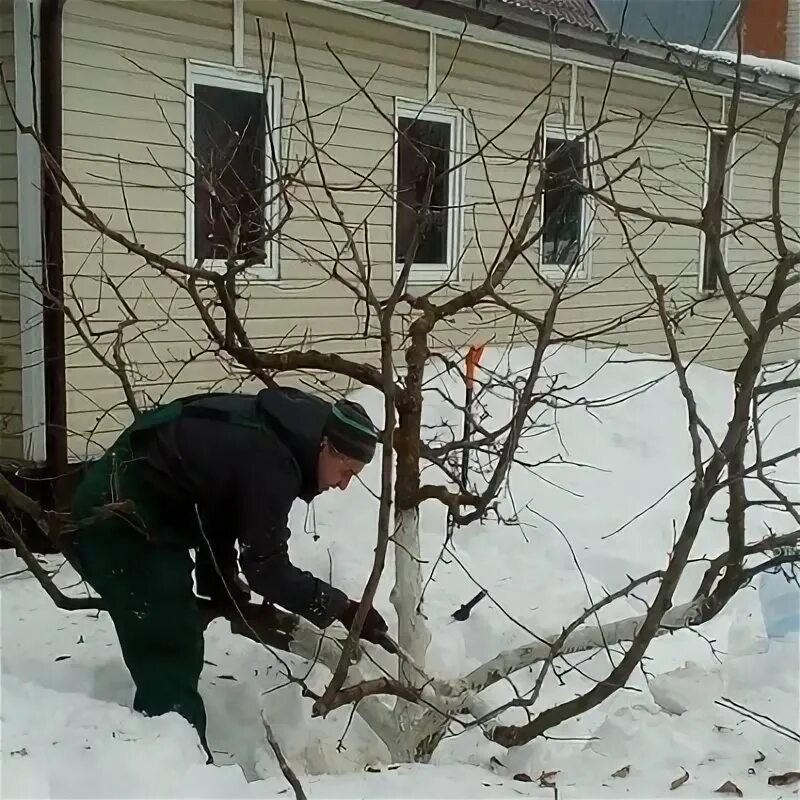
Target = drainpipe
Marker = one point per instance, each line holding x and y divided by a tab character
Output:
50	30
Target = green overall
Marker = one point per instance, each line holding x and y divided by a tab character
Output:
138	561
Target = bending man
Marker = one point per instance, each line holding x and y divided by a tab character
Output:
205	472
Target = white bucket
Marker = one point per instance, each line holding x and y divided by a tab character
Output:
780	604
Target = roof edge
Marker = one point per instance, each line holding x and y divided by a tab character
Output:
497	16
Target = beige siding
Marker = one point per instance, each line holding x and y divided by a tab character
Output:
754	256
125	125
10	368
116	107
663	131
793	31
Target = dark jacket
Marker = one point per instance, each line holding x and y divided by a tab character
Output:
243	481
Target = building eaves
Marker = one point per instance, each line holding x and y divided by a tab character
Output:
575	12
521	21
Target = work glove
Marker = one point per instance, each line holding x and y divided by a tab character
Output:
233	592
374	629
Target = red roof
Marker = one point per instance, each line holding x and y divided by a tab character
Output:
575	12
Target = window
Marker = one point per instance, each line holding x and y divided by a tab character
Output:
428	151
232	203
565	208
717	174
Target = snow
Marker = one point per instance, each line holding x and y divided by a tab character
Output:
770	66
68	731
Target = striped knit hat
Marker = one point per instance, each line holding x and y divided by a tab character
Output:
350	430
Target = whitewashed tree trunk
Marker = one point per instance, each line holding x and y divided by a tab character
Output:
463	693
413	634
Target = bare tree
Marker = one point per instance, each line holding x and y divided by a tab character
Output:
407	344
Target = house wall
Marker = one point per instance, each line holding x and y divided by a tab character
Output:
10	367
670	144
125	125
793	31
673	181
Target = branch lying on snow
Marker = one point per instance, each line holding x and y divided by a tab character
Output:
288	772
572	640
511	661
559	645
626	630
40	573
464	693
699	610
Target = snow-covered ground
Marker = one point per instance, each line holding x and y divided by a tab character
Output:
68	731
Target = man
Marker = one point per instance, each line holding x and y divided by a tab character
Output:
202	473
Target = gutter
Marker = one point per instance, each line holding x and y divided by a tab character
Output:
507	18
55	384
29	229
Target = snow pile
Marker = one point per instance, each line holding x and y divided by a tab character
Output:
767	66
68	730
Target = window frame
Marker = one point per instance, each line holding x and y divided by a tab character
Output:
451	270
553	130
225	76
726	203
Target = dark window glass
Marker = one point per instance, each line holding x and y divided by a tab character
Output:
423	158
563	202
229	149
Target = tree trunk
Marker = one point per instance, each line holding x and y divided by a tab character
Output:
413	634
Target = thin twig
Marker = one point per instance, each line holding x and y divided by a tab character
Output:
287	771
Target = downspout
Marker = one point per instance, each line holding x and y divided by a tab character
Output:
55	384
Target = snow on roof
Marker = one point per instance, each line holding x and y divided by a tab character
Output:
767	66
